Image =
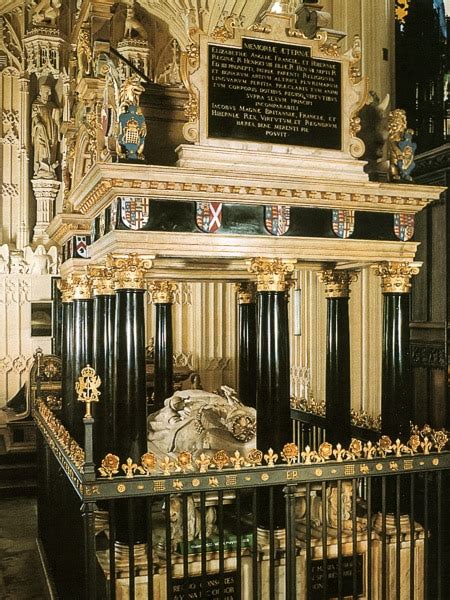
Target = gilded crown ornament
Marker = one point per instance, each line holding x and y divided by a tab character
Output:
162	292
102	280
337	283
396	277
273	275
245	292
129	270
87	388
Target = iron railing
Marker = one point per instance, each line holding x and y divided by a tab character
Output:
372	523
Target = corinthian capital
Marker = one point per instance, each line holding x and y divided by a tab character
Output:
102	280
396	277
245	292
162	292
337	283
65	286
82	286
129	270
273	275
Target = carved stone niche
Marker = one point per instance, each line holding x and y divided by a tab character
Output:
46	51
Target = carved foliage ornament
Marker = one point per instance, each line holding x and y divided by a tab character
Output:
396	277
102	280
401	10
273	275
129	271
337	283
163	292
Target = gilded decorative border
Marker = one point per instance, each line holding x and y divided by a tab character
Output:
318	198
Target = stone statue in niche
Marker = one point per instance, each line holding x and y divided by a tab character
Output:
199	421
45	122
193	521
41	262
401	147
132	23
46	12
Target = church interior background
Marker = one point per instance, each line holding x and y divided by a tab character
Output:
224	291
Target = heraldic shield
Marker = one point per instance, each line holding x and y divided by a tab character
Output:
405	161
404	226
134	212
277	219
81	246
209	216
343	223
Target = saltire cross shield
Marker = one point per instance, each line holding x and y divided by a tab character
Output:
209	216
404	226
81	246
134	212
277	219
343	223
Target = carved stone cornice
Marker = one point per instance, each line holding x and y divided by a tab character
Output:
65	286
245	292
129	270
64	225
103	283
273	275
82	286
105	181
162	292
396	277
337	283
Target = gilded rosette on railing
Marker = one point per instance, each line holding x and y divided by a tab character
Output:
272	275
87	388
162	292
245	291
421	442
129	271
337	283
396	277
102	280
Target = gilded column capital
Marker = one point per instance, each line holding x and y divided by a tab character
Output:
65	286
162	291
82	287
129	270
337	283
396	277
245	291
102	277
273	275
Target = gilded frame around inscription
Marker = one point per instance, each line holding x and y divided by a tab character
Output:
279	29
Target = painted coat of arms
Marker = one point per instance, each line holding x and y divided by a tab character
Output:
343	223
277	219
81	246
404	226
134	212
209	216
132	133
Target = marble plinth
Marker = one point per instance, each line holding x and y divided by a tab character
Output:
310	163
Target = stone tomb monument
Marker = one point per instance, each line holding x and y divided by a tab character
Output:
272	100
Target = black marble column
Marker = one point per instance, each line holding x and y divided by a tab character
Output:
82	351
337	291
247	344
274	425
397	404
130	411
67	387
162	295
103	359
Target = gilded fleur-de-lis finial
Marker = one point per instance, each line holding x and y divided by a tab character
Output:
87	388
